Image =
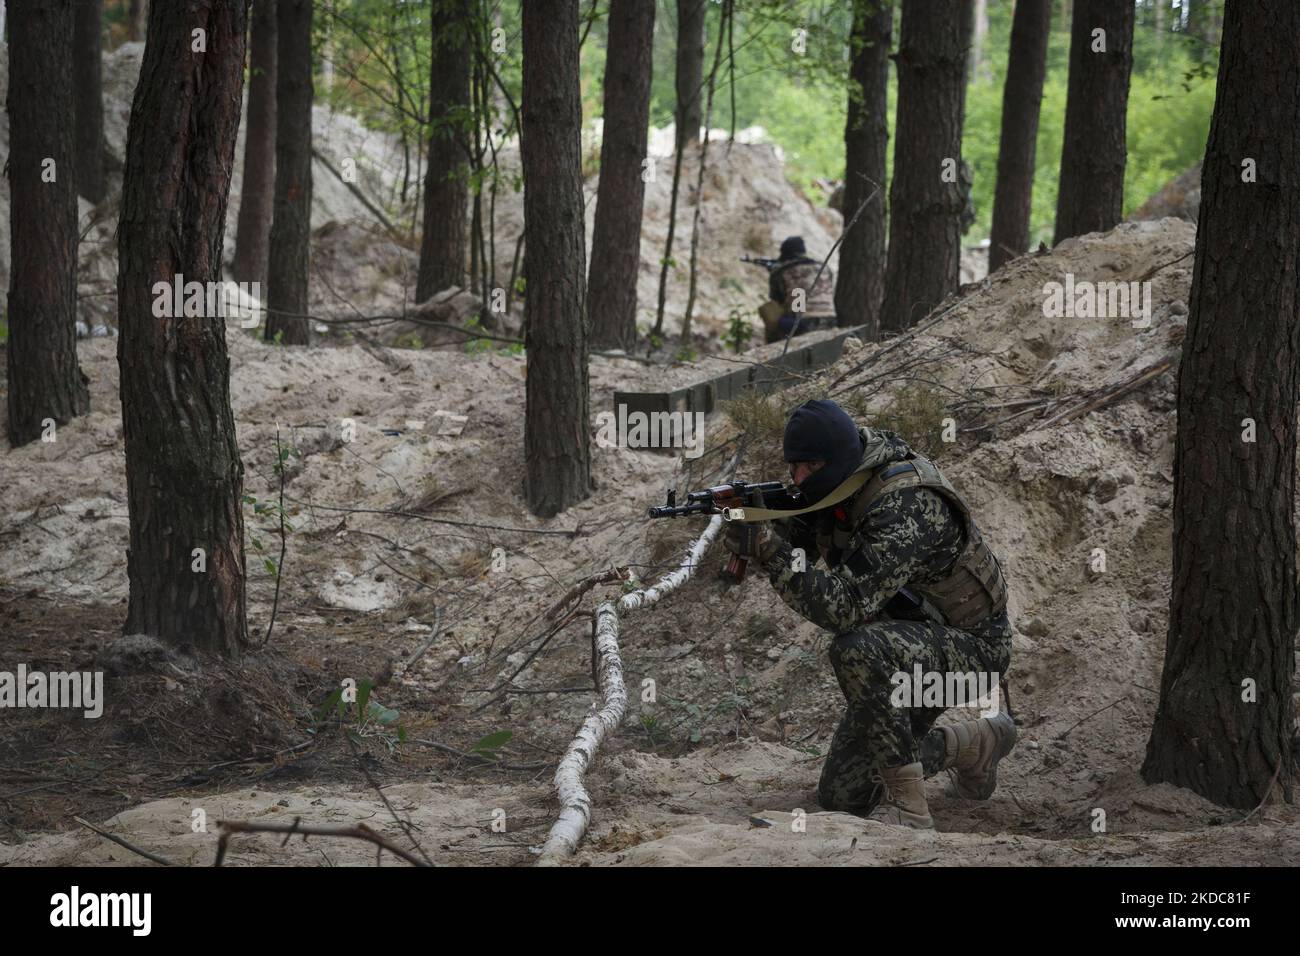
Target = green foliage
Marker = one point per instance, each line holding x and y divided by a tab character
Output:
271	509
739	331
914	412
476	346
1169	107
801	100
490	746
654	731
362	719
382	52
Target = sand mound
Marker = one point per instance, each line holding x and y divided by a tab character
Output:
745	701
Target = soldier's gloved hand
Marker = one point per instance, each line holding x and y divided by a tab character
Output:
752	540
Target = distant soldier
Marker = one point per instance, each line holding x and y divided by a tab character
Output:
796	300
909	585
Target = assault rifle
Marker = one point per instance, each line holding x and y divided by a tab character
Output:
733	497
768	264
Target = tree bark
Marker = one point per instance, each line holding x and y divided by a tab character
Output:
925	199
257	198
860	284
88	89
1022	98
616	238
184	474
690	70
290	255
44	380
556	429
446	183
1093	152
137	12
978	40
1232	609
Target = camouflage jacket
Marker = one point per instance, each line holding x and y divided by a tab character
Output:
818	297
908	535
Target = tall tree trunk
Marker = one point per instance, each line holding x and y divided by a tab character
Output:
1222	727
710	87
1022	97
860	283
137	12
88	89
257	199
290	257
556	428
45	381
446	183
978	40
616	239
925	200
1201	26
690	70
183	471
1093	152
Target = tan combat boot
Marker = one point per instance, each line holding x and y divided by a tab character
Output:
973	749
904	801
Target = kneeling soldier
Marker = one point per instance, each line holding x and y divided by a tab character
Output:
909	582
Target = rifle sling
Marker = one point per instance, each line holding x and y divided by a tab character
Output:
846	488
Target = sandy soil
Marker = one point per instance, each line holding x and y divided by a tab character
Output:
746	701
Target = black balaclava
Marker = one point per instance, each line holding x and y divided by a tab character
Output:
793	248
822	431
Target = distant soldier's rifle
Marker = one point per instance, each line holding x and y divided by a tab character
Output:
768	264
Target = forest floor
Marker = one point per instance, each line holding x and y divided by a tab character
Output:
410	527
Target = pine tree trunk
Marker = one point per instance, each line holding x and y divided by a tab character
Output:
88	89
1232	615
184	474
925	200
1022	98
446	183
1093	152
556	430
44	380
290	255
979	40
690	71
137	12
1201	27
257	199
860	284
616	239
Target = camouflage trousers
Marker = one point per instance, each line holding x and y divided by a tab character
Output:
873	732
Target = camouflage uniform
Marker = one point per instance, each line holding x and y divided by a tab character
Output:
818	309
905	538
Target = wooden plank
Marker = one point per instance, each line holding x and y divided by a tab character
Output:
707	395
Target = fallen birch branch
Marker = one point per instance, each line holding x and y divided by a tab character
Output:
575	802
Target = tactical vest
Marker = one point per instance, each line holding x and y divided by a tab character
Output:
972	589
818	299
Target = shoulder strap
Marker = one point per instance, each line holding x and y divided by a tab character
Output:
847	487
912	473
